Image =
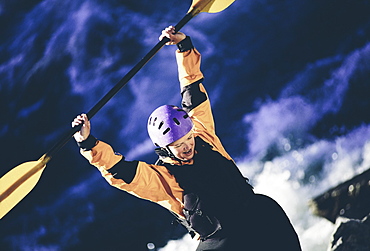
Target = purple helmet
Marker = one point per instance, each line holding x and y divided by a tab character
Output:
167	124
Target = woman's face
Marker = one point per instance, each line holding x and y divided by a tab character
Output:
183	148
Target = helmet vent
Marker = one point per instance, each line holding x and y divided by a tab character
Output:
186	116
160	125
176	121
155	119
166	131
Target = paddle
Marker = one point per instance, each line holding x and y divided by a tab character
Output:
19	181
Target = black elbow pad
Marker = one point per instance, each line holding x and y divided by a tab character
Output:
124	170
192	96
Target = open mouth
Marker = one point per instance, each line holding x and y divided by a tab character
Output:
188	152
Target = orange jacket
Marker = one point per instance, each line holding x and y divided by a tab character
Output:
154	182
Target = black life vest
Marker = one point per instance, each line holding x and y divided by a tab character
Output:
215	192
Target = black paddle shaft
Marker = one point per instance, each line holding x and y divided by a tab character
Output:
120	84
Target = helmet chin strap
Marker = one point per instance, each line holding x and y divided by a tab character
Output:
165	152
170	153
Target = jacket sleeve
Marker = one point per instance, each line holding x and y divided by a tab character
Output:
150	182
195	99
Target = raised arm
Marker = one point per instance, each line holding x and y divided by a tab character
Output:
195	99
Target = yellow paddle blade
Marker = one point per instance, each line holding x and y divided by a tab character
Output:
18	182
210	6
